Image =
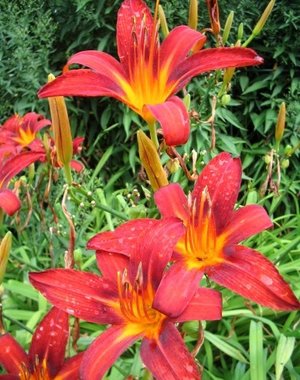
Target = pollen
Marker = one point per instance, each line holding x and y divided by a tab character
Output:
136	307
201	246
38	372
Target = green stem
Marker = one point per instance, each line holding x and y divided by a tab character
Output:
68	173
153	134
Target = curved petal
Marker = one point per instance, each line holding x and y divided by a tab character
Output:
111	263
12	355
173	117
222	178
212	59
100	62
177	45
81	294
123	239
16	164
168	357
154	250
9	377
173	303
205	305
172	202
82	82
245	222
134	27
77	166
49	340
70	368
9	202
104	351
253	276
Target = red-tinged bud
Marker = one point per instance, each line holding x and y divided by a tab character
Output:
213	11
193	14
151	162
5	247
61	131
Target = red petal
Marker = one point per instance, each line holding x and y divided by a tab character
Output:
173	303
177	45
100	62
77	142
168	357
82	82
77	166
123	239
222	177
205	305
173	117
9	377
70	369
50	339
134	24
253	276
154	250
111	263
172	202
245	222
12	355
104	351
81	294
213	59
16	164
9	202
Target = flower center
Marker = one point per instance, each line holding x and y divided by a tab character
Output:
136	306
25	137
201	246
40	372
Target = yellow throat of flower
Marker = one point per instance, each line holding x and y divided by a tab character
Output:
40	372
136	307
25	137
201	246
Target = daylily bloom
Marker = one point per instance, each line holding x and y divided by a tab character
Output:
20	131
210	244
9	202
46	357
148	75
124	298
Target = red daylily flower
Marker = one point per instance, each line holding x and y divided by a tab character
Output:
147	76
51	153
210	243
9	202
46	357
124	298
20	131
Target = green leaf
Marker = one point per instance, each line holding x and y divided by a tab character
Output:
257	357
284	351
225	347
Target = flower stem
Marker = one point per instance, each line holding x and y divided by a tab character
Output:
153	135
68	174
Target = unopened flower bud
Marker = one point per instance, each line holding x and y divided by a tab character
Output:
61	131
173	165
264	17
267	159
151	162
187	101
163	21
193	14
288	150
5	247
213	10
227	27
280	125
285	163
225	100
240	31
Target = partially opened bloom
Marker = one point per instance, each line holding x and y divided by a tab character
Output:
9	202
124	298
210	244
46	357
148	75
20	131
